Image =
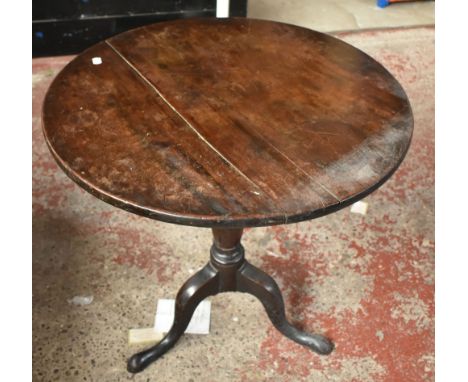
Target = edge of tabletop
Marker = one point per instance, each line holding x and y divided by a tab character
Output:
227	221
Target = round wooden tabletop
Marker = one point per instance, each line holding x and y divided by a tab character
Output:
227	122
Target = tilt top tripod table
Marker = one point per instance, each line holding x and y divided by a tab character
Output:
227	123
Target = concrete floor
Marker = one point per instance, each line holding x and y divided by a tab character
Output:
341	15
367	282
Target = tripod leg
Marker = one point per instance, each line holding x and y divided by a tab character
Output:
202	284
256	282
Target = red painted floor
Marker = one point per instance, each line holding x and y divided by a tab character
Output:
365	281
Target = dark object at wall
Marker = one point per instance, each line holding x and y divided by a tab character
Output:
68	27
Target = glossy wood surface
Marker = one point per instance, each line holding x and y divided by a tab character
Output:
227	122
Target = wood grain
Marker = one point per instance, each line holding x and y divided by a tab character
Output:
227	122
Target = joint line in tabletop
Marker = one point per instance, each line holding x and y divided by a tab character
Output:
299	168
306	174
149	83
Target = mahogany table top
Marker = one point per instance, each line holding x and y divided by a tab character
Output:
227	122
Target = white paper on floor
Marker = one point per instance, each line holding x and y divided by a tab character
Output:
81	300
359	208
200	323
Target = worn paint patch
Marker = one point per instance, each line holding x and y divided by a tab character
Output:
135	248
411	309
39	77
342	291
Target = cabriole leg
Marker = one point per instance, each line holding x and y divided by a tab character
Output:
202	284
256	282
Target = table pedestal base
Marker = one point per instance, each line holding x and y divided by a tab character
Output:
227	271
